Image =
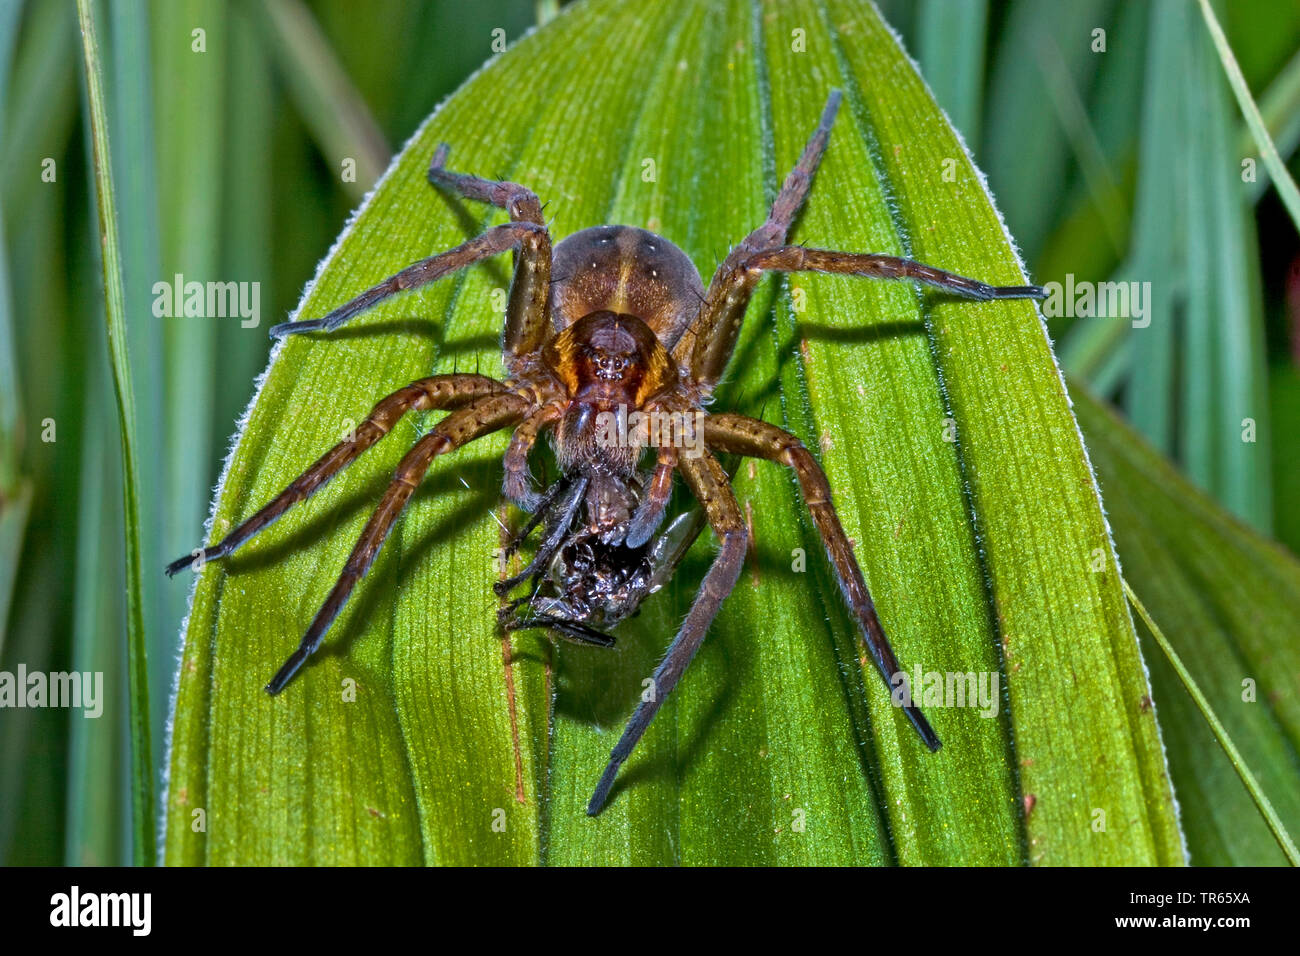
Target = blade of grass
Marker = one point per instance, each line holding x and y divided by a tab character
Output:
142	779
43	101
1113	108
950	46
15	489
1279	105
248	202
1222	416
46	282
189	64
10	394
130	85
98	826
1281	176
1159	225
333	109
1024	143
1072	115
1238	763
1228	600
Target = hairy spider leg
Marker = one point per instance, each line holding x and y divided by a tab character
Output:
517	485
448	392
528	310
873	265
494	241
480	418
706	346
742	435
708	482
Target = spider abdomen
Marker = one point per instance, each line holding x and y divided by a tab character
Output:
623	269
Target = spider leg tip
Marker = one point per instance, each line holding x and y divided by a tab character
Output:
598	801
177	566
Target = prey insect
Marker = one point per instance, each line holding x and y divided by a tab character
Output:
612	319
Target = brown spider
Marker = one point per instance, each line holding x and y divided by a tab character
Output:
625	325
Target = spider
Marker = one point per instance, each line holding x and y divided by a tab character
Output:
612	320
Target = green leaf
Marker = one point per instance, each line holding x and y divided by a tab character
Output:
951	39
331	106
1286	186
986	554
1229	600
142	782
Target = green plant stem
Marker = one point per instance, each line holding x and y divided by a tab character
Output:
329	103
1286	186
142	806
1220	734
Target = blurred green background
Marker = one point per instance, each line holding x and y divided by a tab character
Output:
1118	162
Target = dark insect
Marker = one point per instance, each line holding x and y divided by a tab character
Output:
612	324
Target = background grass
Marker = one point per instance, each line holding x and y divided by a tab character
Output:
1122	164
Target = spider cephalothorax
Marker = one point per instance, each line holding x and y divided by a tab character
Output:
612	326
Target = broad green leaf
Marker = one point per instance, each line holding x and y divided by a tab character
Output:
944	426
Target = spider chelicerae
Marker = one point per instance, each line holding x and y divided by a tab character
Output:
610	325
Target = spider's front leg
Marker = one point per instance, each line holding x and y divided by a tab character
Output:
708	482
705	347
741	435
528	308
496	240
